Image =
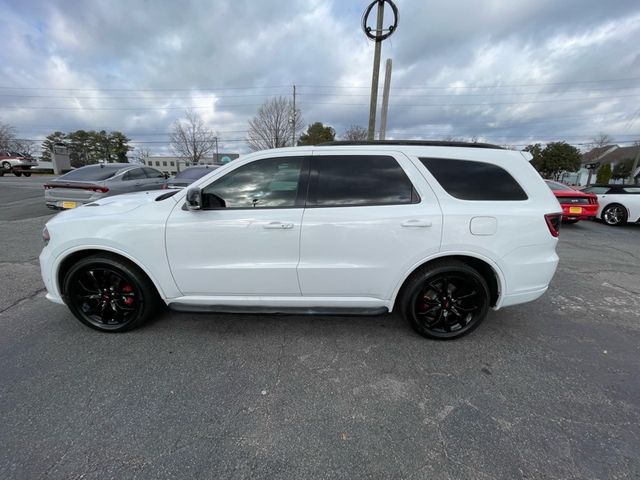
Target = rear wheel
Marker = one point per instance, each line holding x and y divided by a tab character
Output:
17	174
109	294
26	174
445	301
614	215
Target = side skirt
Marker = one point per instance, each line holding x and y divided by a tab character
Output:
342	311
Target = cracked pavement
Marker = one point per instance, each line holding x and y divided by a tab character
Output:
545	390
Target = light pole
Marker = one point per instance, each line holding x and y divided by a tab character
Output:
377	35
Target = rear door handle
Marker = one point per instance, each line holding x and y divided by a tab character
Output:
278	226
414	222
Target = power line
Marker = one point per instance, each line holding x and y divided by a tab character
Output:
342	104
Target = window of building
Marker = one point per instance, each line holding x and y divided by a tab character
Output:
359	180
172	163
470	180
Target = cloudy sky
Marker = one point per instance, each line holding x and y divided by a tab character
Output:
505	71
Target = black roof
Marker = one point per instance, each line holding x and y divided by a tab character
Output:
417	143
611	185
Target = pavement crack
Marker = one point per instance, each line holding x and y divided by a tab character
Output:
23	299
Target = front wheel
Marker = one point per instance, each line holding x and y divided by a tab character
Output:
614	215
446	301
6	166
109	294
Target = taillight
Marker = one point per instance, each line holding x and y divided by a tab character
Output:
553	222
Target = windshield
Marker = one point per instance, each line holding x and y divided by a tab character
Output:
93	173
193	173
555	186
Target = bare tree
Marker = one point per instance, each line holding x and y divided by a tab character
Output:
355	133
191	138
7	136
140	156
27	147
275	125
600	140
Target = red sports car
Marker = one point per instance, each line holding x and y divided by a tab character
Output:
576	205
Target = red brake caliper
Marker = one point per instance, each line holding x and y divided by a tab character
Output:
127	289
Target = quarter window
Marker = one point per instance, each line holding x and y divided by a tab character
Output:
269	183
469	180
153	173
359	180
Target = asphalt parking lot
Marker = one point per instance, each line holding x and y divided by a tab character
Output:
545	390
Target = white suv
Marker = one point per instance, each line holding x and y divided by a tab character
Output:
440	231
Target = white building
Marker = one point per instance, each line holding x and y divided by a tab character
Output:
173	165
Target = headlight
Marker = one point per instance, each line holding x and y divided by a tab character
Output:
45	235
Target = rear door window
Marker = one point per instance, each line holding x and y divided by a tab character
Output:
134	174
152	173
470	180
359	180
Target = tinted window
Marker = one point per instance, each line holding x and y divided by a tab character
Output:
559	187
631	189
262	184
135	174
468	180
153	173
358	180
91	173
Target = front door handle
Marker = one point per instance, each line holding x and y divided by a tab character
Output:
278	226
414	222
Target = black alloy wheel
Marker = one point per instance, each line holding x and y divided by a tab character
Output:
614	215
109	294
447	301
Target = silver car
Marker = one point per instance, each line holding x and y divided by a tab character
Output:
90	183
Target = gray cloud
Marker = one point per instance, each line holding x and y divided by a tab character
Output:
508	72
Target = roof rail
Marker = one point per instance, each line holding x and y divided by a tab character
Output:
417	143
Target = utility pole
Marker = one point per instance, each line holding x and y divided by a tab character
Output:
385	99
293	119
377	35
376	74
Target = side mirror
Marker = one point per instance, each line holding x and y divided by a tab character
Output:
194	199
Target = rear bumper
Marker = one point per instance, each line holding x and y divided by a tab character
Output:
586	212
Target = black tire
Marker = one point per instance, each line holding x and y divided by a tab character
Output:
17	174
614	215
109	294
433	289
26	174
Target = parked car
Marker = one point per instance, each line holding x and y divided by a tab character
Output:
93	182
441	231
189	175
17	163
576	205
619	204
